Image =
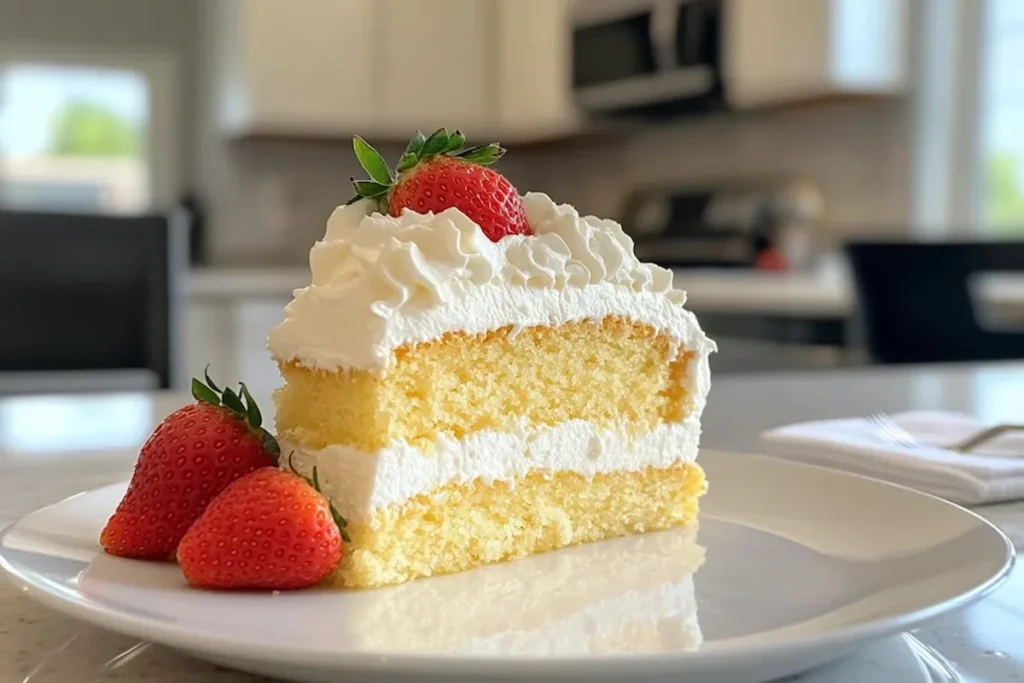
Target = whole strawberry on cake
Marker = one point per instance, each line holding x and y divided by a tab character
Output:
478	376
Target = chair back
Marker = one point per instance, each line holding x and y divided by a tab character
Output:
90	293
916	302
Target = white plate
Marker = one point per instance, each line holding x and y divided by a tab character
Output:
802	565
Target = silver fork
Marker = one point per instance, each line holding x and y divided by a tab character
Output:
891	432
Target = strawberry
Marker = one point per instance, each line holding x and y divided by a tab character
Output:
270	530
193	454
435	174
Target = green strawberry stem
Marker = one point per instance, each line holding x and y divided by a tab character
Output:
421	148
241	404
314	481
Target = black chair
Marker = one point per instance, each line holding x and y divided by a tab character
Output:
916	300
89	293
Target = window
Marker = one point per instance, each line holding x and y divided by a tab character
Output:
74	138
1002	118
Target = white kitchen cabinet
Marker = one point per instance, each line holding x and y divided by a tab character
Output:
533	71
329	68
301	67
435	62
788	51
498	68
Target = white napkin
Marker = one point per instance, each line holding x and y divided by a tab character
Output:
991	473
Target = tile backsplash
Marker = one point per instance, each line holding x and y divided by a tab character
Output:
269	201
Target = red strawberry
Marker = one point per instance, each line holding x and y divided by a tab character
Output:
435	174
188	460
269	530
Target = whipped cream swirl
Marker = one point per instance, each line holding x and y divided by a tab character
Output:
429	260
379	281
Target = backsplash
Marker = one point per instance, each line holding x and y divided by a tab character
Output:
858	153
269	201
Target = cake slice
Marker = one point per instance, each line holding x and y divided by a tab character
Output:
479	376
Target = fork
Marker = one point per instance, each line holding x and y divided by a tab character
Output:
898	436
891	432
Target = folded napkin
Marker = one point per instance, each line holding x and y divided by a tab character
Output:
991	473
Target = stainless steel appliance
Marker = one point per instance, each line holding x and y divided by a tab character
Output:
648	56
763	223
672	57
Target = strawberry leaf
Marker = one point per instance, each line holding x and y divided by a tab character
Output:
203	393
415	145
484	155
252	411
340	521
231	401
372	162
455	142
407	161
209	382
270	444
435	144
369	189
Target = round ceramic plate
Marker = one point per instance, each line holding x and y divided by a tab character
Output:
792	566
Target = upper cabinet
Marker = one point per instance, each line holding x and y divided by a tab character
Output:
675	57
522	70
434	63
787	51
331	68
302	67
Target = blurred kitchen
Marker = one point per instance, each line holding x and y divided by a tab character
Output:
183	155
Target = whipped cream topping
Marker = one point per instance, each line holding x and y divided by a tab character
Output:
379	282
359	483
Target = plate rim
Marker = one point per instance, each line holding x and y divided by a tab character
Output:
225	646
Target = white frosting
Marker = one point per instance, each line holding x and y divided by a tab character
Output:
379	282
358	482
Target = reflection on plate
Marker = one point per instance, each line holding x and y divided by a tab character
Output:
638	597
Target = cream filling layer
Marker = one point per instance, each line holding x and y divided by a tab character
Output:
358	483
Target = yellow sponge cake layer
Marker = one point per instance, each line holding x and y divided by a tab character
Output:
461	526
611	371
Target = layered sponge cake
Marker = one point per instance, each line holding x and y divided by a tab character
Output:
469	401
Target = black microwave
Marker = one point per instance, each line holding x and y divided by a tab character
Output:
648	57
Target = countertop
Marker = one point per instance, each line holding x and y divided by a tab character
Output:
826	292
55	446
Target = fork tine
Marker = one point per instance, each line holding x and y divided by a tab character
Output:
892	432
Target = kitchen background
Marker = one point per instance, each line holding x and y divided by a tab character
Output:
742	142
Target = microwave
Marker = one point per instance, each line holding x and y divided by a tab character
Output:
670	57
647	56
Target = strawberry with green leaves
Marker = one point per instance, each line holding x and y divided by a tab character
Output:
270	530
436	173
188	460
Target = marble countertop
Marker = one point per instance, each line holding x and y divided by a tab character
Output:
54	446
